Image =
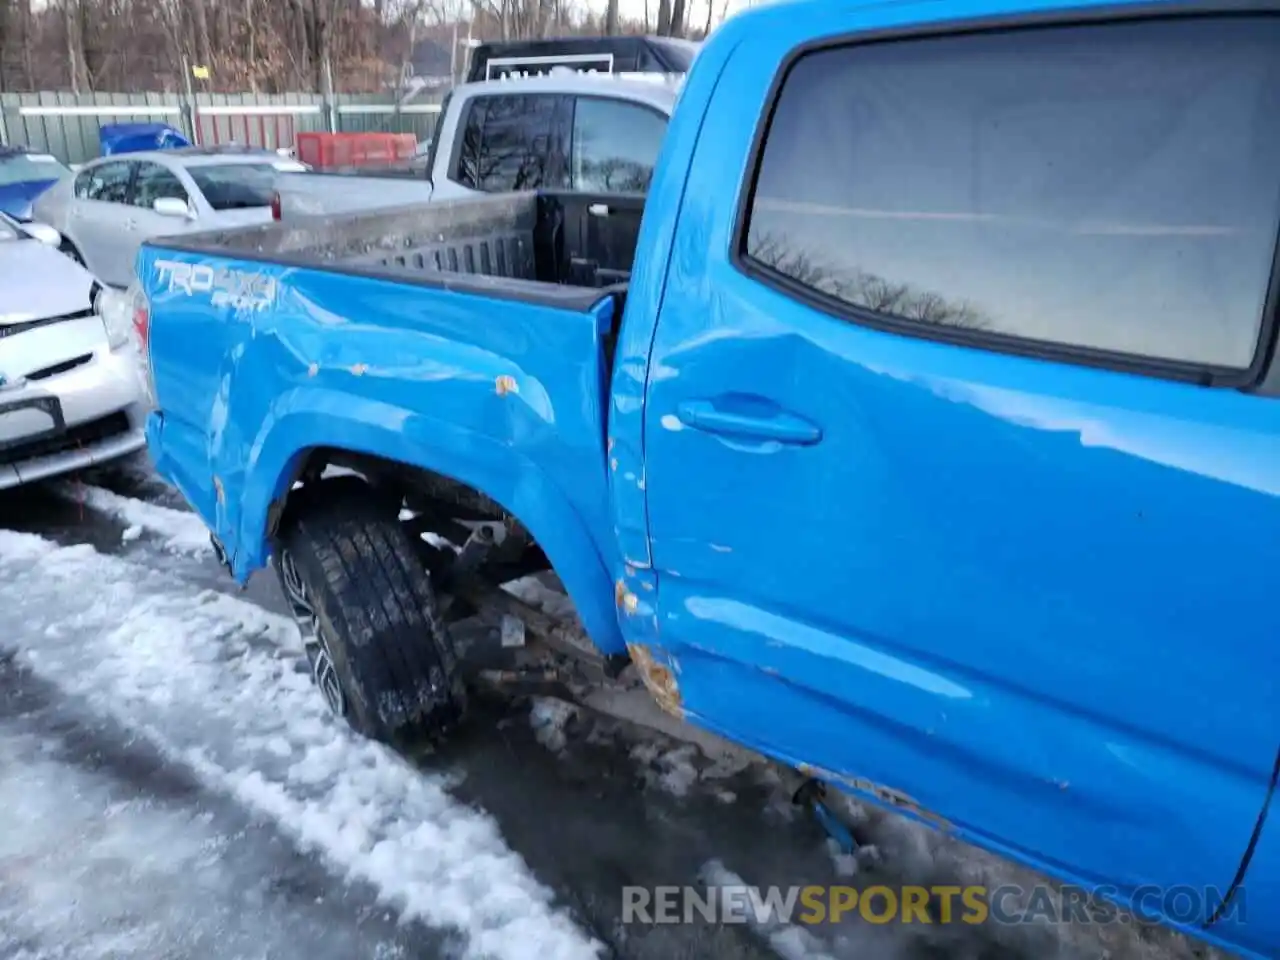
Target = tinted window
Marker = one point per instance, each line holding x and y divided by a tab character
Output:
30	168
615	146
679	54
235	186
154	182
514	143
1112	187
107	182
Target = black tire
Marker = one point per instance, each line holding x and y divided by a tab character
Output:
377	647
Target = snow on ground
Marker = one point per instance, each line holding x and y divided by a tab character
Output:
96	866
179	530
788	940
897	851
213	682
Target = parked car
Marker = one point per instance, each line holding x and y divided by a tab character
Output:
114	203
71	393
932	450
24	175
572	131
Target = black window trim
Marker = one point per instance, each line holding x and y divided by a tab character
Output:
459	134
1256	378
573	130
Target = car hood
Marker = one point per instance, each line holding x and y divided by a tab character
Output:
37	282
16	198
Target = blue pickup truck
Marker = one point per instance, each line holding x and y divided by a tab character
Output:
930	447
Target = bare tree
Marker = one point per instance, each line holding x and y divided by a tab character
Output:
272	46
7	19
678	15
73	14
200	20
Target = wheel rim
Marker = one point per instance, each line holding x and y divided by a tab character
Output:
314	642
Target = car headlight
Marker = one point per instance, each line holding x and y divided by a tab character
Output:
115	308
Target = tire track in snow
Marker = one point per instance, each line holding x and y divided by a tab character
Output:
212	681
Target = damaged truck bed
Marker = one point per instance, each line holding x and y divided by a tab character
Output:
946	477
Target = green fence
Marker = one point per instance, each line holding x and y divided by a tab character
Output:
66	124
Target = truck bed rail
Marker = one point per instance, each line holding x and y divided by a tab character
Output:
509	246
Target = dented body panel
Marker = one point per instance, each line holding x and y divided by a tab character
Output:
249	384
1025	600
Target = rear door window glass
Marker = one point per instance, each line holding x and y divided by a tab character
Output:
1114	187
615	145
106	183
155	182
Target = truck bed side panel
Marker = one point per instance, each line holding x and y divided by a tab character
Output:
501	394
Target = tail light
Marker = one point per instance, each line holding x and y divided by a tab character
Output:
142	319
275	205
142	324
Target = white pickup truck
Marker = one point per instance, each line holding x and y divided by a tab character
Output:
588	133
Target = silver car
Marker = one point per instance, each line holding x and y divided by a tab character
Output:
72	391
114	203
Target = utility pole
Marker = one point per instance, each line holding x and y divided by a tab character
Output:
329	107
189	113
453	55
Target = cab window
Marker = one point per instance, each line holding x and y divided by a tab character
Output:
1106	193
615	145
514	142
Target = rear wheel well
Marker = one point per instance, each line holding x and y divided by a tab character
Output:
443	504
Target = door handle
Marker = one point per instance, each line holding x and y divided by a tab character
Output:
131	224
779	426
598	209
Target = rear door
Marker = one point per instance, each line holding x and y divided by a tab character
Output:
98	219
963	486
1249	917
614	150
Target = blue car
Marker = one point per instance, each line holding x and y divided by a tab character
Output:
932	448
24	175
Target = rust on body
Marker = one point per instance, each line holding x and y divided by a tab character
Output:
659	679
